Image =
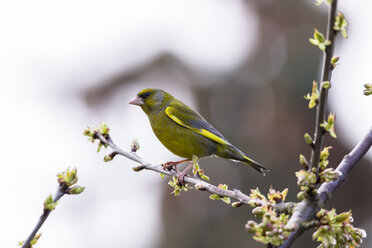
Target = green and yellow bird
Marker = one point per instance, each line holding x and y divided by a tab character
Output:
185	132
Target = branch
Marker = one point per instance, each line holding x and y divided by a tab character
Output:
61	191
65	179
199	184
349	161
306	210
326	76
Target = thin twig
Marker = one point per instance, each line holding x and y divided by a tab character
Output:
306	210
61	191
199	184
326	190
326	76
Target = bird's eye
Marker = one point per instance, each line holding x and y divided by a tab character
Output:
144	95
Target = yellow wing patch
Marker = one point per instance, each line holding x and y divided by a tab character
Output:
202	131
211	136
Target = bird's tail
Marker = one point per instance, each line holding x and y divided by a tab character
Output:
235	154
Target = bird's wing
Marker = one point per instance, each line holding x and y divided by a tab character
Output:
186	117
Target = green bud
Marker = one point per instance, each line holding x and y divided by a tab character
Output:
321	213
308	139
141	167
222	186
303	161
107	158
290	228
256	194
341	218
49	204
368	89
68	177
134	147
236	204
254	203
334	61
326	85
177	186
301	195
251	226
88	132
200	187
35	239
75	190
313	98
103	128
258	212
324	154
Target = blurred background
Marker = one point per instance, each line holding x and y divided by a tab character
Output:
245	65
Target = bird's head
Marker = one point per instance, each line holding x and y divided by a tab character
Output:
151	99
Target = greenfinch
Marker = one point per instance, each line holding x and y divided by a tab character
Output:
184	132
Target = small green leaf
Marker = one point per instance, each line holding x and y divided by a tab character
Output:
334	61
329	125
226	200
328	175
214	197
277	196
314	95
205	177
176	186
162	175
89	132
340	218
340	24
324	154
197	171
368	89
33	241
99	147
304	162
319	2
314	41
319	40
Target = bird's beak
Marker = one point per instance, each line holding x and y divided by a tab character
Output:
137	101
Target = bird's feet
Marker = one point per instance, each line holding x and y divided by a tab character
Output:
181	176
173	165
169	166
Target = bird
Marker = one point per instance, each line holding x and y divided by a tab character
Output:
185	132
